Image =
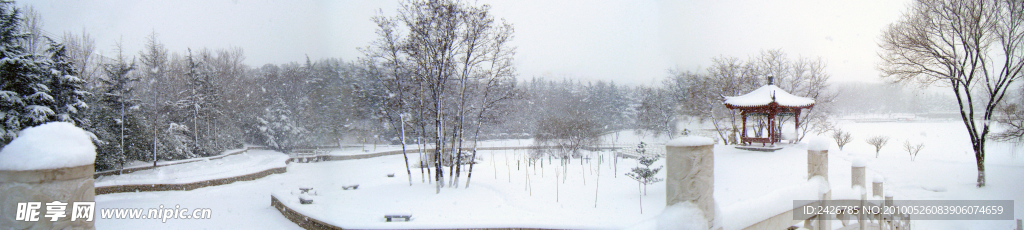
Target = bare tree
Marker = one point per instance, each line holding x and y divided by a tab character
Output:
656	112
567	132
878	142
1013	120
35	41
842	138
388	49
974	47
912	149
80	49
805	77
450	54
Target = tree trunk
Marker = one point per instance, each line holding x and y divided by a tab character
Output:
641	198
476	134
438	143
979	156
404	154
453	154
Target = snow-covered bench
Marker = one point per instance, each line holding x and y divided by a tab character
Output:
308	155
407	216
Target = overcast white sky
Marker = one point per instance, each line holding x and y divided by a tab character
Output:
625	41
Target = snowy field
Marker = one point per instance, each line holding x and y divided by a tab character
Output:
504	195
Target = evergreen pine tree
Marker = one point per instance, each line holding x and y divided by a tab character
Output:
278	129
24	96
67	89
117	124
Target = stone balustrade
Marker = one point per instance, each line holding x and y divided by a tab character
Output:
46	179
689	164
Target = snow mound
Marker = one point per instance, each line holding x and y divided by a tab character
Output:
818	144
823	186
748	212
682	216
877	179
690	141
48	146
859	162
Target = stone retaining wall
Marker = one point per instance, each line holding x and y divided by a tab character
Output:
297	218
307	222
187	186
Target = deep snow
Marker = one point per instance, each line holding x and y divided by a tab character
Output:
499	195
48	146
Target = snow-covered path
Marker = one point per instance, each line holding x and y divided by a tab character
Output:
251	161
240	205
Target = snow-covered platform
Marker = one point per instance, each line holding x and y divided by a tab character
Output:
759	149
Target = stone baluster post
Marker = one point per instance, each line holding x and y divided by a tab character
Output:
817	165
690	168
890	217
858	178
876	188
48	167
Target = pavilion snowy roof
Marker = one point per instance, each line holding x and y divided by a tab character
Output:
765	95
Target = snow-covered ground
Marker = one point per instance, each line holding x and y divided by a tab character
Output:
945	168
498	196
501	196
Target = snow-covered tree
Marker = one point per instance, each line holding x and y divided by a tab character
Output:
645	175
24	95
116	118
177	141
975	48
67	89
278	129
444	52
198	104
36	87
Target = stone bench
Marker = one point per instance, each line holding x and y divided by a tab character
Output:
389	217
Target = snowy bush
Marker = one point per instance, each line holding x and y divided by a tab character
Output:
841	138
912	149
878	142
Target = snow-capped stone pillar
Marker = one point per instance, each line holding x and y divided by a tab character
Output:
690	164
817	165
51	164
876	186
857	174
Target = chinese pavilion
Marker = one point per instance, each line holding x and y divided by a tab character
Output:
772	102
